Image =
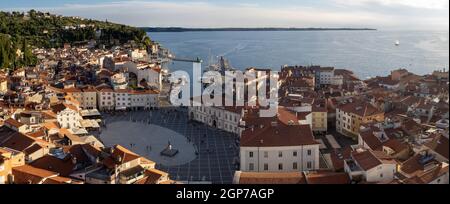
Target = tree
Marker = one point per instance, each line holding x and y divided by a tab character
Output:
5	51
28	57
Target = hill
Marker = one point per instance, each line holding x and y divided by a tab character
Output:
25	31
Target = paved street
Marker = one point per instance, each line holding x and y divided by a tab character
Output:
339	140
216	150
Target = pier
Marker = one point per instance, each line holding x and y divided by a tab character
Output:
173	58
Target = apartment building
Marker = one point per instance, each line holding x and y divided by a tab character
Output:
9	159
351	114
223	118
278	144
105	98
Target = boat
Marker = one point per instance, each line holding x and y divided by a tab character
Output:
397	43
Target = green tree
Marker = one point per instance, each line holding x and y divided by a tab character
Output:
5	51
28	57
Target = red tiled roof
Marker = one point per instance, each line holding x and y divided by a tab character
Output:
327	178
395	145
271	178
119	156
72	90
440	145
360	108
37	134
13	123
18	142
279	135
428	176
27	174
62	166
366	159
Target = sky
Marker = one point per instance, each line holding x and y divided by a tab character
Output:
380	14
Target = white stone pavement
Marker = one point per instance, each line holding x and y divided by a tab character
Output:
149	140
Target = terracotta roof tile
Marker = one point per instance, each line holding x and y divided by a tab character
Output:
271	178
366	160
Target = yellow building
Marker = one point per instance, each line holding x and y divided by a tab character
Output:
319	115
3	85
351	115
9	159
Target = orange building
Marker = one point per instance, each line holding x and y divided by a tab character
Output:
9	159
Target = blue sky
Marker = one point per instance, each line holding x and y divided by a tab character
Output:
382	14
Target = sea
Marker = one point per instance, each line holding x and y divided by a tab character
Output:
366	53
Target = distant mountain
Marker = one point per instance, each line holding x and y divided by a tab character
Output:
180	29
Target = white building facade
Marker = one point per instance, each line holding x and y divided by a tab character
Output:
326	76
223	118
279	159
69	118
106	99
143	100
122	99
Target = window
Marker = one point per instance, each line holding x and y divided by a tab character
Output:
309	165
251	167
280	166
309	152
250	154
294	165
266	167
294	153
266	154
280	154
